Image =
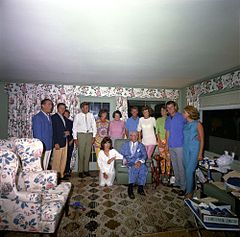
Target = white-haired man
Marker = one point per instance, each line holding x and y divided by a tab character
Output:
135	156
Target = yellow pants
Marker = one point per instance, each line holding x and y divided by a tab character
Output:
59	160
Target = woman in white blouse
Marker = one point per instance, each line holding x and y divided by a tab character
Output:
146	129
105	160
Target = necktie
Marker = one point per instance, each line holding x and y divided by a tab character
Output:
133	147
86	122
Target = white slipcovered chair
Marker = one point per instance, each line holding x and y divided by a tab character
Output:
24	210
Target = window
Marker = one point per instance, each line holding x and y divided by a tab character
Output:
95	107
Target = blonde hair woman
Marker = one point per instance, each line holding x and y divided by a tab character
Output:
192	146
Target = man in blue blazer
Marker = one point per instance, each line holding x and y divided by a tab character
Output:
60	134
42	129
135	156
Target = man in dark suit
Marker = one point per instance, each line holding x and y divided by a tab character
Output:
69	124
42	129
60	134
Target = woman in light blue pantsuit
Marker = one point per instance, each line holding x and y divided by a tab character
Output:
192	147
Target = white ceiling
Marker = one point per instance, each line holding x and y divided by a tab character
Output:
139	43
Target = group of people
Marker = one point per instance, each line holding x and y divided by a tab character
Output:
55	132
179	138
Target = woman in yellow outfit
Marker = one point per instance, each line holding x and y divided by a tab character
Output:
102	129
163	152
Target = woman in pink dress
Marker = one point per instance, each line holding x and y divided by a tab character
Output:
116	127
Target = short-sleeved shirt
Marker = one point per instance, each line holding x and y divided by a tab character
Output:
132	124
174	125
147	127
116	129
160	127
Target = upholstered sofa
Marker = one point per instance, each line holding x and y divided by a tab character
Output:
122	171
30	199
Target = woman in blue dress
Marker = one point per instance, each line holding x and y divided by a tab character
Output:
193	147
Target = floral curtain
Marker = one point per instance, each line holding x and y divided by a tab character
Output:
226	81
25	99
122	106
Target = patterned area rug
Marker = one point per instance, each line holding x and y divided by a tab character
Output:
108	211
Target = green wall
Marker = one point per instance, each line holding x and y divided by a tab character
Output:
3	112
182	102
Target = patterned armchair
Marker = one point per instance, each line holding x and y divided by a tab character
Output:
24	210
8	143
36	179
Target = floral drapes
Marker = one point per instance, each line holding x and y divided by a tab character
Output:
25	98
226	81
122	105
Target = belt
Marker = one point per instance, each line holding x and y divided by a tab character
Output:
87	132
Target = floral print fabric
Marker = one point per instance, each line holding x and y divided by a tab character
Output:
226	81
23	210
25	99
36	179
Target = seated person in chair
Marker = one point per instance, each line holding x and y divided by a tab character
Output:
134	157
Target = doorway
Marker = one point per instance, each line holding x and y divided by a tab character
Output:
95	105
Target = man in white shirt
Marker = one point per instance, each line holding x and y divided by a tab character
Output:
84	132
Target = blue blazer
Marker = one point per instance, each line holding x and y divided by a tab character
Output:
140	154
42	129
58	130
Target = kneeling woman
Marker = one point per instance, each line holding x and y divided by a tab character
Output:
105	160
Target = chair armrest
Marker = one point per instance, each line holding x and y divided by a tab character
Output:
41	180
118	161
28	197
59	193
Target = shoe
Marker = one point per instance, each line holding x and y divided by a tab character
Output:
80	175
181	193
87	173
68	175
177	187
130	191
131	195
141	191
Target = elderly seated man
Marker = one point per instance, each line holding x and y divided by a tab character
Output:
134	157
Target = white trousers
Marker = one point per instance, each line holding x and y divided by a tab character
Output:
109	181
46	159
